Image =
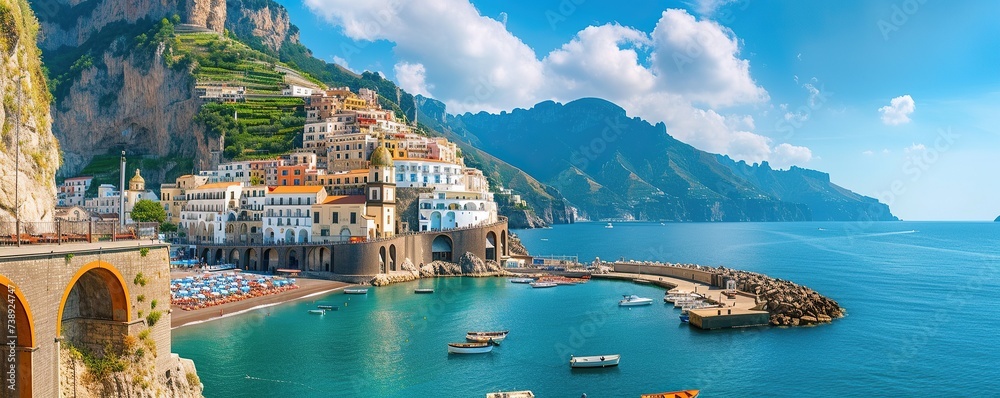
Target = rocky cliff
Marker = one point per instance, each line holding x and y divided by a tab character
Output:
25	119
263	21
70	23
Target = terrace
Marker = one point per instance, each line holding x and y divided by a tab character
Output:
59	232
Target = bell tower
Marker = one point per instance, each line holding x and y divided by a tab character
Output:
380	191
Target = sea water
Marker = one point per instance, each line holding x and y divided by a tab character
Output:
920	297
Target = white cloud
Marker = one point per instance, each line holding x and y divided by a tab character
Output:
708	7
898	111
915	148
786	155
342	62
692	73
412	78
868	153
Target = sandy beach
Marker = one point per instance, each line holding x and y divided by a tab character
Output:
307	287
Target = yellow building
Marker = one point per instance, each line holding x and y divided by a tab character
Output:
341	218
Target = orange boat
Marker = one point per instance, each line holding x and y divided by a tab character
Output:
673	394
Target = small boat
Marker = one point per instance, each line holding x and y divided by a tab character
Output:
470	348
317	312
511	394
684	318
327	307
355	291
674	394
609	226
521	280
483	337
423	291
542	284
597	361
633	300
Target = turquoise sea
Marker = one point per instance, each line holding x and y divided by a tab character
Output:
921	300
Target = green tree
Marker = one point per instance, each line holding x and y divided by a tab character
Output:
168	228
146	210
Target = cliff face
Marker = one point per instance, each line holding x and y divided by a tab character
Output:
268	22
132	103
72	22
24	117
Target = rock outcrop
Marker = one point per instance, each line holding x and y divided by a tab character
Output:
468	265
150	111
130	376
266	20
788	303
516	247
71	22
24	119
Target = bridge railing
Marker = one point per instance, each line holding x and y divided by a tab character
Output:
61	231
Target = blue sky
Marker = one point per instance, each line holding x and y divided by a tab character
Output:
895	99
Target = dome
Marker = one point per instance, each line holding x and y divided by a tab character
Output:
381	157
137	182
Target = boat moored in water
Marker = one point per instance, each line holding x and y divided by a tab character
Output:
483	337
511	394
423	291
674	394
317	312
633	300
327	307
470	348
542	284
596	361
521	280
355	291
609	226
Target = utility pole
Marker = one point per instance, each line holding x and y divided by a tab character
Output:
121	194
17	164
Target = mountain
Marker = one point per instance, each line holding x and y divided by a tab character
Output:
612	166
123	73
25	119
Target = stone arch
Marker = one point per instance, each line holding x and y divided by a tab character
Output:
449	220
97	295
24	329
317	259
436	221
250	260
269	259
292	259
204	255
303	236
220	256
392	257
469	206
381	260
441	248
289	235
234	257
345	234
491	246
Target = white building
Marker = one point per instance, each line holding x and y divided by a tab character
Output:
425	173
457	209
73	190
288	213
297	91
208	210
108	197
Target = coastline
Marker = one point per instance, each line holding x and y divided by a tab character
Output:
307	288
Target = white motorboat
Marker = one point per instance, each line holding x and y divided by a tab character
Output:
423	291
543	284
483	337
633	300
597	361
327	307
470	348
609	226
511	394
355	291
521	280
317	312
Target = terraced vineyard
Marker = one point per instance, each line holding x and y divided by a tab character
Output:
266	124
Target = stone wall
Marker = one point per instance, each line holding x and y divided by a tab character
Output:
42	275
662	270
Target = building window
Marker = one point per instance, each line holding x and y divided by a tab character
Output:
336	217
354	218
316	218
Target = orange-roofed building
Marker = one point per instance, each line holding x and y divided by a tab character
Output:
341	218
288	213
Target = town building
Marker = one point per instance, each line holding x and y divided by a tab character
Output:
208	210
288	213
72	191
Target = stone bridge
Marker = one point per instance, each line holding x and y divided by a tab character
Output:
351	261
89	295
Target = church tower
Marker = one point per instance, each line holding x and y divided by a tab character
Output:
380	191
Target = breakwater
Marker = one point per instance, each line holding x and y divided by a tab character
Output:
788	303
468	265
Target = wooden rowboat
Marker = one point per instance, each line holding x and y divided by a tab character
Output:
674	394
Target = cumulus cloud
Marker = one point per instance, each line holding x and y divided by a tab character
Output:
686	72
412	78
786	155
898	111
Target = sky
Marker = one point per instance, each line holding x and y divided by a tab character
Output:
898	100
